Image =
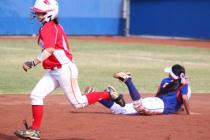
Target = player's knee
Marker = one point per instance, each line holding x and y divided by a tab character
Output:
36	100
79	102
138	106
137	103
79	105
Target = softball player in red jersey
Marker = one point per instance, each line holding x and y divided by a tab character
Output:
56	58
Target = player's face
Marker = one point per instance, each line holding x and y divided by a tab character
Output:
40	16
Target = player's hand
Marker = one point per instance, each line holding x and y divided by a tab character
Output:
28	65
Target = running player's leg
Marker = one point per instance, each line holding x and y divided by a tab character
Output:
67	77
108	103
105	102
44	87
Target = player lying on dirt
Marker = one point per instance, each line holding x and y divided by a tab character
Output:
173	92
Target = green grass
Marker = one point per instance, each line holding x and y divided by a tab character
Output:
97	61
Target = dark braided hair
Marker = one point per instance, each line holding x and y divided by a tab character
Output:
178	70
55	21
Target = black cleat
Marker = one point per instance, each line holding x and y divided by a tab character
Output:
115	96
28	134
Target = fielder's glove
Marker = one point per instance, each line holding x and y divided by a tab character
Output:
28	65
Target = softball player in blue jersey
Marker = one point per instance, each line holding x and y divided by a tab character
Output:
173	92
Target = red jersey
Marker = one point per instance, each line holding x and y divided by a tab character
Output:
52	35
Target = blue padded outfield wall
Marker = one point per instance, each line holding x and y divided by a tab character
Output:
78	17
14	17
179	18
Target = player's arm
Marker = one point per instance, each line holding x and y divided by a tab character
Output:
42	56
158	92
186	103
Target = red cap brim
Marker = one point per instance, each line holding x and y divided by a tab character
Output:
37	10
40	11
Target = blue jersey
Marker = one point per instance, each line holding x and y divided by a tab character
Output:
173	100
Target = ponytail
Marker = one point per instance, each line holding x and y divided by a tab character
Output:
170	87
55	21
177	73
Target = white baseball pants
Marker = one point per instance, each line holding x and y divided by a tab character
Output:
67	78
152	105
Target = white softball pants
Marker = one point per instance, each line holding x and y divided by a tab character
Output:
67	78
152	105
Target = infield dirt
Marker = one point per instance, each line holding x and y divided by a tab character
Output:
62	122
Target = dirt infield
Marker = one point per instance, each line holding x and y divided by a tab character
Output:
62	122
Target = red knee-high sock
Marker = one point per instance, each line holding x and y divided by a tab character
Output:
37	111
97	96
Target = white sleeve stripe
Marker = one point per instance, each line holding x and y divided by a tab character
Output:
61	57
64	44
56	34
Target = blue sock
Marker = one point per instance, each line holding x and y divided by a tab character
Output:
135	95
107	103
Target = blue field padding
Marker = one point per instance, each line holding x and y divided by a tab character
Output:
181	18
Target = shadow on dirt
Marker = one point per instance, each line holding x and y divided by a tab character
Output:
13	137
74	139
94	112
7	137
69	139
